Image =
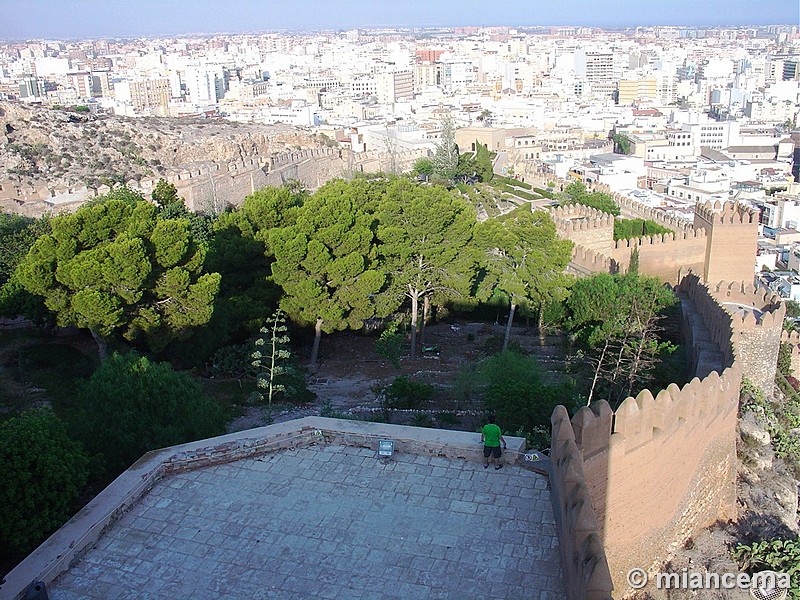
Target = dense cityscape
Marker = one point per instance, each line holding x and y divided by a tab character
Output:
271	302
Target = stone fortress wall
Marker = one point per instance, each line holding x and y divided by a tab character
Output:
720	235
212	186
662	465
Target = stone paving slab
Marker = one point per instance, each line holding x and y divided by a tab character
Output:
330	522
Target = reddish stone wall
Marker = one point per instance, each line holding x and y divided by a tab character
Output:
732	231
664	256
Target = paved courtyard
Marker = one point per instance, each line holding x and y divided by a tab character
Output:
330	522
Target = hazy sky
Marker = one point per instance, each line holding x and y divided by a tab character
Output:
25	19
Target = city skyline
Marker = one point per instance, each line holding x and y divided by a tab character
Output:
37	19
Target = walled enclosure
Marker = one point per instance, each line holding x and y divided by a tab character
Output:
721	244
660	468
211	186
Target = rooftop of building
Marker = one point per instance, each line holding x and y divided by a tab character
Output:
307	509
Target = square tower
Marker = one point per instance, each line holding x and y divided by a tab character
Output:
731	241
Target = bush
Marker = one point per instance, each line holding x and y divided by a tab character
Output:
405	393
44	471
780	556
635	228
132	405
516	393
390	345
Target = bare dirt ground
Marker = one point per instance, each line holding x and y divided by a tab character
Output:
350	370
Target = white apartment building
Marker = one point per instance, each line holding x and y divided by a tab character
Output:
205	84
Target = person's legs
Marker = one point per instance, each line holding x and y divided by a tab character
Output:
496	458
486	453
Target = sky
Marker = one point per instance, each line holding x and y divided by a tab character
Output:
66	19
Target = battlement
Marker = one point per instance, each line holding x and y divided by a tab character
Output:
642	502
660	238
583	557
643	211
726	213
577	217
750	306
593	261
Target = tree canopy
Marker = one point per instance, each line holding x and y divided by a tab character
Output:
445	157
43	473
615	318
426	245
576	193
326	260
117	268
524	260
132	405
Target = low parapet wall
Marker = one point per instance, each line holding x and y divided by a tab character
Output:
583	558
81	532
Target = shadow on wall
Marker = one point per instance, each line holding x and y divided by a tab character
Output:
630	484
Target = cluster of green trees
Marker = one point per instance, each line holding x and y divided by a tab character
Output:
615	320
576	193
448	164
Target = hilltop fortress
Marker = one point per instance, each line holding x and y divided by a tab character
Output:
210	186
631	486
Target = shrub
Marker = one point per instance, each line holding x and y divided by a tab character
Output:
132	405
390	345
781	556
43	473
405	393
516	393
635	228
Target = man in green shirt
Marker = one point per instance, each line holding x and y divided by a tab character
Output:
491	436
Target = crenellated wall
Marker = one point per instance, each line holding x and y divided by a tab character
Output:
757	321
661	467
732	231
793	339
211	186
583	557
664	255
586	226
720	244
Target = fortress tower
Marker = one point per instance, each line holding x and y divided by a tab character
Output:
732	234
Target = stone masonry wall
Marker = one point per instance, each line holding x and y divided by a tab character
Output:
732	231
583	557
660	468
664	256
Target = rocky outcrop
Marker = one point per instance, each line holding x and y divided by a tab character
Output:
54	158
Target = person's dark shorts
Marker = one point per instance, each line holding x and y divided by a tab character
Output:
493	451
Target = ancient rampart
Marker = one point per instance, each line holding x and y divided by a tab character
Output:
583	557
664	255
732	231
661	467
792	338
212	186
585	226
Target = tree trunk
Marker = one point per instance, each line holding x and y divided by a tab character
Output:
597	372
540	323
508	326
414	312
102	345
315	347
426	307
